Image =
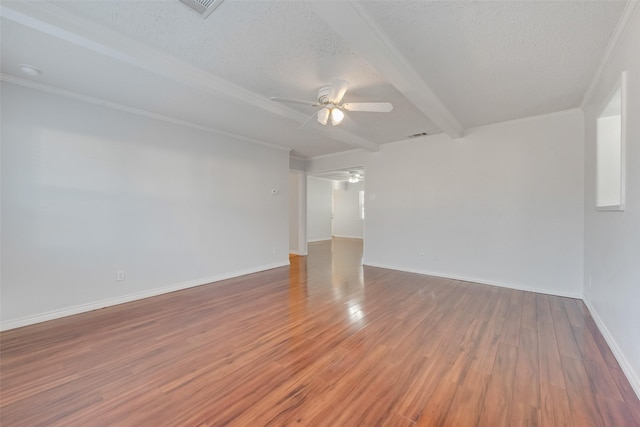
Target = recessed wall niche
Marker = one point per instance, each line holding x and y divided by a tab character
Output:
610	150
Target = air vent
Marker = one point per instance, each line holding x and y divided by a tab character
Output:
202	7
417	135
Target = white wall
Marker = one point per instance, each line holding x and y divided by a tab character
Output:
612	239
501	206
88	190
297	213
318	209
346	211
608	187
352	159
297	164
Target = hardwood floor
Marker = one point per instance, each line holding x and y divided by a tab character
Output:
325	342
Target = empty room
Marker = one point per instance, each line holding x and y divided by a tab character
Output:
320	213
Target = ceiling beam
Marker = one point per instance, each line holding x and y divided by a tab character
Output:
56	22
361	32
128	109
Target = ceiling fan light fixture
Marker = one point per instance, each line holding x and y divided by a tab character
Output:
354	177
29	70
336	116
323	116
330	101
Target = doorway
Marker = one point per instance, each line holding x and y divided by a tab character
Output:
335	205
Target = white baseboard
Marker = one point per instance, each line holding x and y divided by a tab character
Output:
82	308
628	370
477	280
349	237
298	253
319	240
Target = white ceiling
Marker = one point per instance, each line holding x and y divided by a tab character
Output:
445	66
505	60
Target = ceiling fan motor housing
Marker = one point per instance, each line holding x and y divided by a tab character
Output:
323	95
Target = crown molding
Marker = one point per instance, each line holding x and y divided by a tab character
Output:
54	21
136	111
361	32
527	119
471	130
623	23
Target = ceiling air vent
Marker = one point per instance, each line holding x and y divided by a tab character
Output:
202	7
417	135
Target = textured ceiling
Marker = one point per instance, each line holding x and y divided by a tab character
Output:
493	61
272	48
486	61
265	46
88	73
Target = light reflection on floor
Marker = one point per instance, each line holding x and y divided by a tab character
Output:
332	266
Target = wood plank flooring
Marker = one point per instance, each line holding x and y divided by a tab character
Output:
325	342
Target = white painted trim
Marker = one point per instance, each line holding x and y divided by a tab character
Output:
476	280
301	212
612	208
620	85
311	175
339	153
422	138
623	23
632	376
348	237
120	107
298	253
82	308
527	119
490	125
426	137
57	22
324	239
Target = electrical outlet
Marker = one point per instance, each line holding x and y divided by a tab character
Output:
120	275
273	249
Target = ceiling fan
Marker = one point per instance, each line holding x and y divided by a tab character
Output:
331	106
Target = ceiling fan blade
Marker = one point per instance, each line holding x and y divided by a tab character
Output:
338	89
306	122
293	101
373	107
